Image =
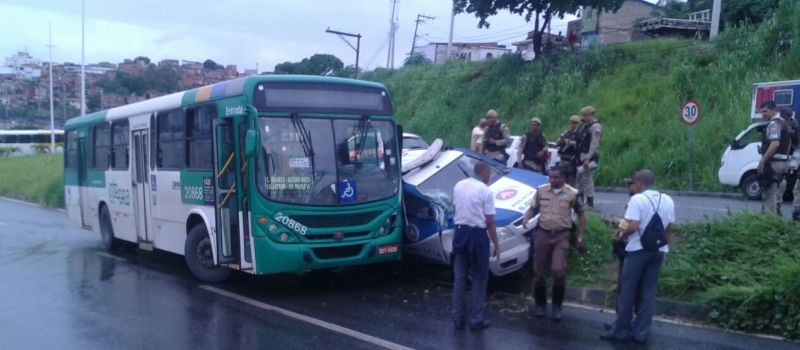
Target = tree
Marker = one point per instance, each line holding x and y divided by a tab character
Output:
211	65
318	64
93	104
734	12
142	59
417	59
541	10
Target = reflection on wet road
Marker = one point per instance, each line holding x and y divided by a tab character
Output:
60	290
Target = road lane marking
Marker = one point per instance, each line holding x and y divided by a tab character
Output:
17	201
308	319
681	323
35	205
106	255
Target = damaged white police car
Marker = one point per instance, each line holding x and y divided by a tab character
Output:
428	180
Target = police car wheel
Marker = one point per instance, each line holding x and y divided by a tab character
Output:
751	188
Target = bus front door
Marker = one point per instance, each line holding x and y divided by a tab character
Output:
141	187
228	198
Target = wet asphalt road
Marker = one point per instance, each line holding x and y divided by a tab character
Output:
687	208
61	291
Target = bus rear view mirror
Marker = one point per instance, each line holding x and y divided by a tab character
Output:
399	134
251	143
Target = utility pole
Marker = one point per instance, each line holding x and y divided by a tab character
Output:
83	61
357	48
50	74
450	39
420	18
716	10
392	33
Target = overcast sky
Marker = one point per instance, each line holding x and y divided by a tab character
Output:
241	32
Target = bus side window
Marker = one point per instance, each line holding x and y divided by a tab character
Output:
198	137
101	144
171	137
71	159
120	138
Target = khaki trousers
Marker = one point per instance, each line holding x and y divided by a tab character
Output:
586	181
550	250
771	197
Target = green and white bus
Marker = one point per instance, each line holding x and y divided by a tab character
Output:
263	174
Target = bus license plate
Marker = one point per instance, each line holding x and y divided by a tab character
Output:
387	249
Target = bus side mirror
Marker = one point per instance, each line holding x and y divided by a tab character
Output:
735	144
250	143
400	134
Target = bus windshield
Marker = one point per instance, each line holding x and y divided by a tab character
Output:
322	161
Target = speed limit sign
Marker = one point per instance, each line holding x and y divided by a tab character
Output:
690	112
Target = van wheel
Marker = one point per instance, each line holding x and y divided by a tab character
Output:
199	258
110	243
751	188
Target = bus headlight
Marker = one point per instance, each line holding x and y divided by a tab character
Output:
284	237
387	225
272	228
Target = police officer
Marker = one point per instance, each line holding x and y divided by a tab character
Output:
588	143
532	153
555	201
776	149
495	138
788	116
568	149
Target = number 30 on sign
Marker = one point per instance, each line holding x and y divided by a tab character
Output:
690	112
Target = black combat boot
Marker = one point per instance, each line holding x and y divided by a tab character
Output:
540	297
590	201
796	216
558	299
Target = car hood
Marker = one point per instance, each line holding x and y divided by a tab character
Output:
513	194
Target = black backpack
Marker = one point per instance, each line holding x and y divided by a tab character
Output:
653	236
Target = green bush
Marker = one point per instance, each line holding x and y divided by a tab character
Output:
744	268
637	89
38	179
7	151
41	148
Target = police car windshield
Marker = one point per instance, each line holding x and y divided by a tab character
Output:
439	187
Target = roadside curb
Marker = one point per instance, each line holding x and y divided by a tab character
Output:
32	204
664	307
678	193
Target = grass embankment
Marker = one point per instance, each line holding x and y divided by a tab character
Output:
37	179
637	89
745	269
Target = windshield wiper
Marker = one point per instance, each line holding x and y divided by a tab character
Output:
305	137
363	130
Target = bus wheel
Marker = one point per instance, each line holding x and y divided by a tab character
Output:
110	243
199	258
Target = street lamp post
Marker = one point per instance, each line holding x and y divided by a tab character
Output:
357	48
50	74
83	63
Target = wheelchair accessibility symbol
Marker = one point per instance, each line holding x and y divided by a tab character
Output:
348	192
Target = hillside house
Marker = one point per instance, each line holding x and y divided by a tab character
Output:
471	52
603	28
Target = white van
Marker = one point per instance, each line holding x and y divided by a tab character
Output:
740	162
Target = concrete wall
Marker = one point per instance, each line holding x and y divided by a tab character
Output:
620	27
